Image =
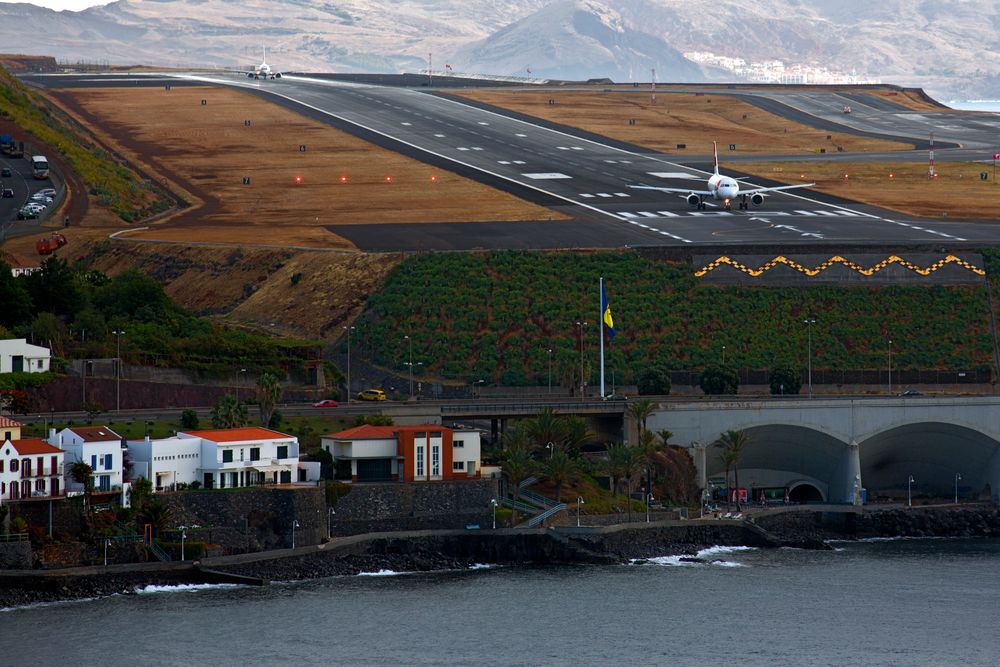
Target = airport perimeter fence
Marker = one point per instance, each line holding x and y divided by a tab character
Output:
869	376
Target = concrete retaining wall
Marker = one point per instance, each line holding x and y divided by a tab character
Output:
15	555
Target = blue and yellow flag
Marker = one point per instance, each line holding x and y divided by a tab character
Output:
609	322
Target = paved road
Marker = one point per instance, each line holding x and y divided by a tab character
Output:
24	185
585	176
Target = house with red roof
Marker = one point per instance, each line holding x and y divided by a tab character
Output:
30	468
421	453
221	459
97	446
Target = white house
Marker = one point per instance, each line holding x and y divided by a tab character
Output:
221	459
22	266
248	456
97	446
422	453
18	355
165	462
30	468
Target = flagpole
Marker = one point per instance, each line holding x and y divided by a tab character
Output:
600	330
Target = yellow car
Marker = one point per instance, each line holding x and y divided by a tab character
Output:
371	395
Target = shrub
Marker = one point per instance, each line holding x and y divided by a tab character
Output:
653	381
719	380
785	381
189	420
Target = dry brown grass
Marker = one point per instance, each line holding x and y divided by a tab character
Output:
957	191
677	118
207	150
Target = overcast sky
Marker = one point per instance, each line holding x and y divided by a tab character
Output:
74	5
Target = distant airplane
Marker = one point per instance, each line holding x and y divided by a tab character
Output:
723	188
263	70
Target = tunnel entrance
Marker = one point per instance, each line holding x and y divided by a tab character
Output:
805	493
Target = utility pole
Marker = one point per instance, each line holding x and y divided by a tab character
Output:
118	371
809	322
348	330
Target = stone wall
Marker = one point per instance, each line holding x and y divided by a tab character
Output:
243	520
382	507
15	555
67	514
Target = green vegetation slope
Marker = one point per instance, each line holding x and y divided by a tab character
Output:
494	317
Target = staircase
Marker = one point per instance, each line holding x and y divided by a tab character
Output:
523	508
129	535
540	518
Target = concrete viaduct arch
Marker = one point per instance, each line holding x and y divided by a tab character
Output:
838	446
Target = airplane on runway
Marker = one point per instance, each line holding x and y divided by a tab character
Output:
263	70
724	188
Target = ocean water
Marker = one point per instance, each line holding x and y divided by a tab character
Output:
975	105
900	602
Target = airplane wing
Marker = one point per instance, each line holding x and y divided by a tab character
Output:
764	191
689	191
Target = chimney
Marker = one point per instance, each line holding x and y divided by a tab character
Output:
52	436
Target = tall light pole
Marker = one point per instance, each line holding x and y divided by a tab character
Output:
958	478
809	355
183	538
348	330
295	524
579	501
581	325
410	364
239	385
493	502
550	370
723	355
890	367
329	526
909	494
118	371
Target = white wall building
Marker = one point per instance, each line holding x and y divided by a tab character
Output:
165	462
18	355
97	446
30	468
9	429
221	459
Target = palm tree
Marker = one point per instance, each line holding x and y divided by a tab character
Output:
157	515
622	463
517	466
544	428
268	394
229	412
733	443
81	473
560	469
640	411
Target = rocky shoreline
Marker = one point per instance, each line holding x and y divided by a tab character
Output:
457	550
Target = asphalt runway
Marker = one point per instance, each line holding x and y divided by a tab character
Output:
589	177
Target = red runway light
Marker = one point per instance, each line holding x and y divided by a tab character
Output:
434	179
388	179
298	180
343	179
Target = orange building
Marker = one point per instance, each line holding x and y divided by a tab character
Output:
422	453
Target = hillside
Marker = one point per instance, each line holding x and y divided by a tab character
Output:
495	316
948	47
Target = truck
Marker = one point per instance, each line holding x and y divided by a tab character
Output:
49	244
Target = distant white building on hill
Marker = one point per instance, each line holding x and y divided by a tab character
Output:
17	355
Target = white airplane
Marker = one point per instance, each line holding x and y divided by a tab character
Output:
723	188
263	70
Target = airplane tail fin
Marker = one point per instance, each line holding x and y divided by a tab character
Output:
715	161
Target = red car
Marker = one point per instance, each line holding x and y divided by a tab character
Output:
326	403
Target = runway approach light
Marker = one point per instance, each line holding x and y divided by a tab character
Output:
388	179
343	179
891	175
434	179
846	176
298	180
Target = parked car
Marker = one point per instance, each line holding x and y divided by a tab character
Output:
42	199
371	395
911	392
48	192
325	403
7	193
6	172
27	214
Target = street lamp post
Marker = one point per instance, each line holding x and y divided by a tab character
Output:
410	364
909	494
493	502
723	355
106	540
348	330
239	385
118	370
581	325
958	478
649	501
295	524
329	527
890	367
579	501
551	447
550	370
183	539
809	373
